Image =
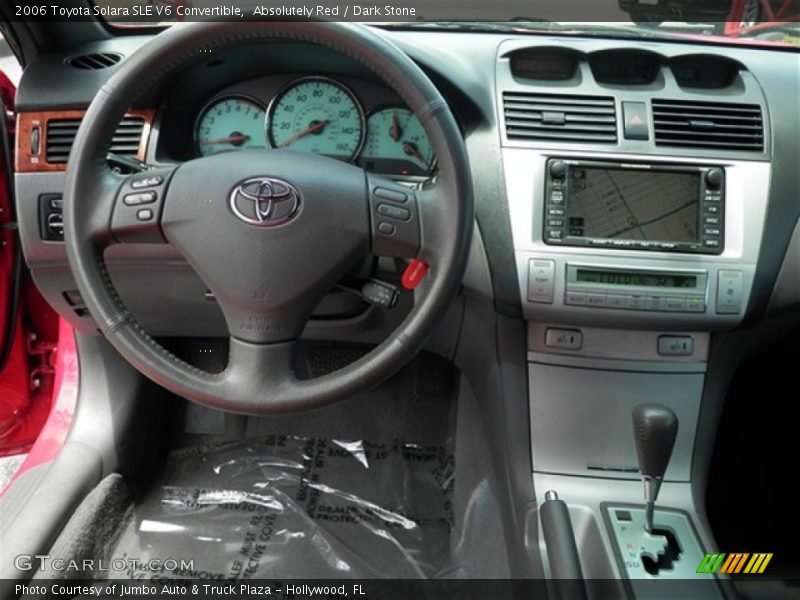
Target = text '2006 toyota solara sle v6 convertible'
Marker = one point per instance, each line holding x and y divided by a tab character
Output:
473	302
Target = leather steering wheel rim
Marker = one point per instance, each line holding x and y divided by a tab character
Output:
259	377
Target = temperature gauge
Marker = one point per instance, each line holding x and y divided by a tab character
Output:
396	143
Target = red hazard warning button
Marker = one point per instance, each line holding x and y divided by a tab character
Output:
634	121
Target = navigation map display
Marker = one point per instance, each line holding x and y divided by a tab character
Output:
633	204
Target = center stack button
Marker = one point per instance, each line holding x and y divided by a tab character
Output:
541	280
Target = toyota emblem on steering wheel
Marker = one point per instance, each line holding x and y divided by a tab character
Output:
265	201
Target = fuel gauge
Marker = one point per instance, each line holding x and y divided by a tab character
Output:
396	144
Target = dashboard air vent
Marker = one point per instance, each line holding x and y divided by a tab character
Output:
61	134
560	118
708	125
95	61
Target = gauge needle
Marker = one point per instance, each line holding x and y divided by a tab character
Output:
313	128
411	149
231	139
394	130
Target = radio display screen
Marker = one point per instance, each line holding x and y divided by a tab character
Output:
633	204
638	279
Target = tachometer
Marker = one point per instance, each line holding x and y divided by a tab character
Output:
317	115
396	143
230	123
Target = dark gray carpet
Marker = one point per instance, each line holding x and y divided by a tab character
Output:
92	532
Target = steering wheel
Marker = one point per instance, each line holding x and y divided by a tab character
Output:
268	231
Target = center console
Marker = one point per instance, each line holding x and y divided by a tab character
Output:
636	236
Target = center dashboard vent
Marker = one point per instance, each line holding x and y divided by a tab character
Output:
708	125
61	135
94	61
560	118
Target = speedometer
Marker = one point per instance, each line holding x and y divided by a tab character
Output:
230	123
317	115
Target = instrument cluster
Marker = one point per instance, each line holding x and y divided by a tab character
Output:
320	115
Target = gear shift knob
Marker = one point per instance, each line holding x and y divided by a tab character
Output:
655	428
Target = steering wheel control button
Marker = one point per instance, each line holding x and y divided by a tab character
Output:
139	199
394	212
541	280
563	339
414	274
135	217
395	221
391	195
634	119
386	228
146	182
729	292
675	345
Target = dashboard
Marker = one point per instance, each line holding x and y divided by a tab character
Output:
345	118
710	210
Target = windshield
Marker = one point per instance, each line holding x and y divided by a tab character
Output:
756	22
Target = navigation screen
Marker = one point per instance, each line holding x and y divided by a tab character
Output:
632	204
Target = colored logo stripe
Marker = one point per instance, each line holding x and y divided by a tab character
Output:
710	563
735	563
758	563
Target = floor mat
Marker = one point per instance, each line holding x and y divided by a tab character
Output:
293	507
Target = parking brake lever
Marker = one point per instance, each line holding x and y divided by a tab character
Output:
562	552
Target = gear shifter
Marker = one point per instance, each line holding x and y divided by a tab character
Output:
654	429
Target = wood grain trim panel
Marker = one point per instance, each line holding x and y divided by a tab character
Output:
26	162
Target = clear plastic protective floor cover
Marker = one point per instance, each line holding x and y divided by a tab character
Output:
299	507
